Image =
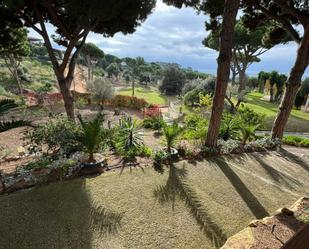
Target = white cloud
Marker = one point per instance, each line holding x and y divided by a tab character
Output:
175	35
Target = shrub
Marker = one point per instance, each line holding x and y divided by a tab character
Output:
154	123
229	146
196	127
59	135
129	102
129	142
251	117
92	135
296	141
101	90
171	133
152	111
229	128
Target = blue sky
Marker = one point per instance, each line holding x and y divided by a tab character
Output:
175	35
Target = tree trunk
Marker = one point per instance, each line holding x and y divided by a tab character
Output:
68	99
292	85
242	82
12	65
88	60
223	71
271	92
133	87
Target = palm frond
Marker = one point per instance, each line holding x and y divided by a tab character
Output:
6	105
7	125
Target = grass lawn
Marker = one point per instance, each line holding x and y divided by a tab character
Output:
298	121
192	205
151	96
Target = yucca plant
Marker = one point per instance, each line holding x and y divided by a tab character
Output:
229	128
5	106
248	131
171	133
129	134
129	138
92	135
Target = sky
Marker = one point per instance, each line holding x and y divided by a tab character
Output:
175	35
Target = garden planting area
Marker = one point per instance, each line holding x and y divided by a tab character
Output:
191	205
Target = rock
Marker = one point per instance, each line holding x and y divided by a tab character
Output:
254	223
54	175
287	212
21	151
41	174
20	183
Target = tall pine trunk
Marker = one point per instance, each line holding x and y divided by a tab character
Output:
292	86
223	71
242	81
67	95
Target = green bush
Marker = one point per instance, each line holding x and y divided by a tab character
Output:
92	136
296	141
3	91
57	136
251	117
154	123
196	127
128	139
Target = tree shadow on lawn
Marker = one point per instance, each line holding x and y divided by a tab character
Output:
248	197
176	187
58	216
276	175
294	159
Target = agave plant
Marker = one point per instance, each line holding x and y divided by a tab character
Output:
5	106
92	135
229	128
129	134
248	132
171	133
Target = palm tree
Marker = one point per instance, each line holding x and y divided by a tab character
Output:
5	106
248	131
171	132
92	135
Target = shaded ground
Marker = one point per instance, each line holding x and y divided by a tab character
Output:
192	205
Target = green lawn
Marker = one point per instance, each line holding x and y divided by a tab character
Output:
298	121
151	96
195	205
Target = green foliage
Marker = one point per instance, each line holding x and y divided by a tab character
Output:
92	135
129	102
3	92
155	123
242	126
101	90
171	133
41	162
113	70
303	91
251	117
91	50
193	90
58	135
196	127
229	128
296	141
5	106
248	131
129	140
173	81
